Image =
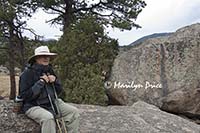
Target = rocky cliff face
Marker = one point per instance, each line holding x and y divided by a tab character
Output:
138	118
157	70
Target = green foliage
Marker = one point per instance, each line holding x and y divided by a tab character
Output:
12	24
85	86
3	52
84	53
117	13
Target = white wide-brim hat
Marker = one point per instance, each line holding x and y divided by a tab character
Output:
39	51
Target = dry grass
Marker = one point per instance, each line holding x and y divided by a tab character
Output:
5	85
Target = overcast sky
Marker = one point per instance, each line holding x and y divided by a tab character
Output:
158	16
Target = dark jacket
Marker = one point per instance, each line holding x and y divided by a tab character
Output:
33	90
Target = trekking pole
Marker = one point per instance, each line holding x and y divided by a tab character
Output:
58	110
53	108
59	118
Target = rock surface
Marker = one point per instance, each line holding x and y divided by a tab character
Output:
138	118
4	70
15	123
171	65
184	103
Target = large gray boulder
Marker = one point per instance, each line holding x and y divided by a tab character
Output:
138	118
163	71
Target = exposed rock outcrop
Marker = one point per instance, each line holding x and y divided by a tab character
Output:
162	71
15	123
183	103
3	70
140	117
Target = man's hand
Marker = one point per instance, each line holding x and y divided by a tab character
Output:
44	78
52	78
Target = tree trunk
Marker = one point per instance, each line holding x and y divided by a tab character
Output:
67	15
12	74
22	52
12	66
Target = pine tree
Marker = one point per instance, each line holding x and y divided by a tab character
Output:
85	52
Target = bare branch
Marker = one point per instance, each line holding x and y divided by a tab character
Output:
30	30
57	10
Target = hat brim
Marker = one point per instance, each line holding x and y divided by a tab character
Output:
51	55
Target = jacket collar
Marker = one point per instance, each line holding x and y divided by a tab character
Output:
41	68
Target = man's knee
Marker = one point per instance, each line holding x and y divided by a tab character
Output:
47	116
75	112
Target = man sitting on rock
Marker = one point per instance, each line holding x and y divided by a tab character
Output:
37	85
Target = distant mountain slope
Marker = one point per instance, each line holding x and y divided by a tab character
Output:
149	36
